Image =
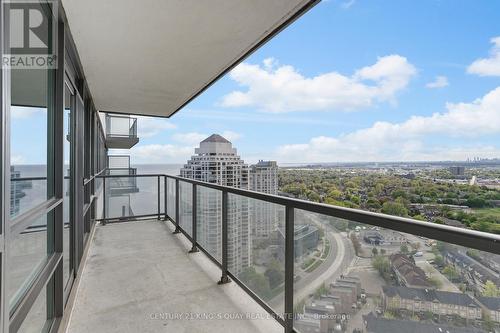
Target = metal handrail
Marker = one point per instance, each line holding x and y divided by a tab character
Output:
466	237
470	238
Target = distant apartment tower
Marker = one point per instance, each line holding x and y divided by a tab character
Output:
216	161
264	216
264	177
457	170
17	190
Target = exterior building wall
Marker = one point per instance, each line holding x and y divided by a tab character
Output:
264	216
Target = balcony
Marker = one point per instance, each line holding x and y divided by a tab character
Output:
316	271
119	187
121	132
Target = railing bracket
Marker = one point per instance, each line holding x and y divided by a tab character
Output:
224	280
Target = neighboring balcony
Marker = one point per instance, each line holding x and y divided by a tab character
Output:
120	184
315	271
121	131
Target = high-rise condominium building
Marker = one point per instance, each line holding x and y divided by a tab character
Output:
264	216
216	161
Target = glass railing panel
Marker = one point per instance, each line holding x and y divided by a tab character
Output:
256	247
133	127
121	126
209	221
118	162
354	277
186	207
162	195
171	198
131	196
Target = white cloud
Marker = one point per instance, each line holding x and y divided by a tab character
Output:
348	4
190	139
386	141
439	82
231	136
158	153
488	66
193	139
282	88
151	126
17	159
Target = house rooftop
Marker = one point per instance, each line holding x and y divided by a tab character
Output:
430	295
216	138
492	303
382	325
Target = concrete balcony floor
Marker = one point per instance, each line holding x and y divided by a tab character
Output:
137	272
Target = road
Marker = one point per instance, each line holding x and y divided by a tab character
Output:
338	260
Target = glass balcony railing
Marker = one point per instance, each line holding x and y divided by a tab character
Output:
321	268
121	126
128	194
121	131
118	162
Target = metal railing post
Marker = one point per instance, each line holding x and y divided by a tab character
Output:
103	201
224	278
165	192
289	262
194	248
177	229
158	187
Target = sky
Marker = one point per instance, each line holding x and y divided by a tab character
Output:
351	80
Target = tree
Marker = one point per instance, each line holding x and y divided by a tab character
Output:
275	274
335	194
383	266
394	208
389	315
415	246
356	244
419	217
438	260
255	281
489	324
374	251
451	272
490	289
435	282
322	290
340	225
373	203
438	220
476	202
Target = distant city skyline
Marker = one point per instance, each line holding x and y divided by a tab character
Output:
363	82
